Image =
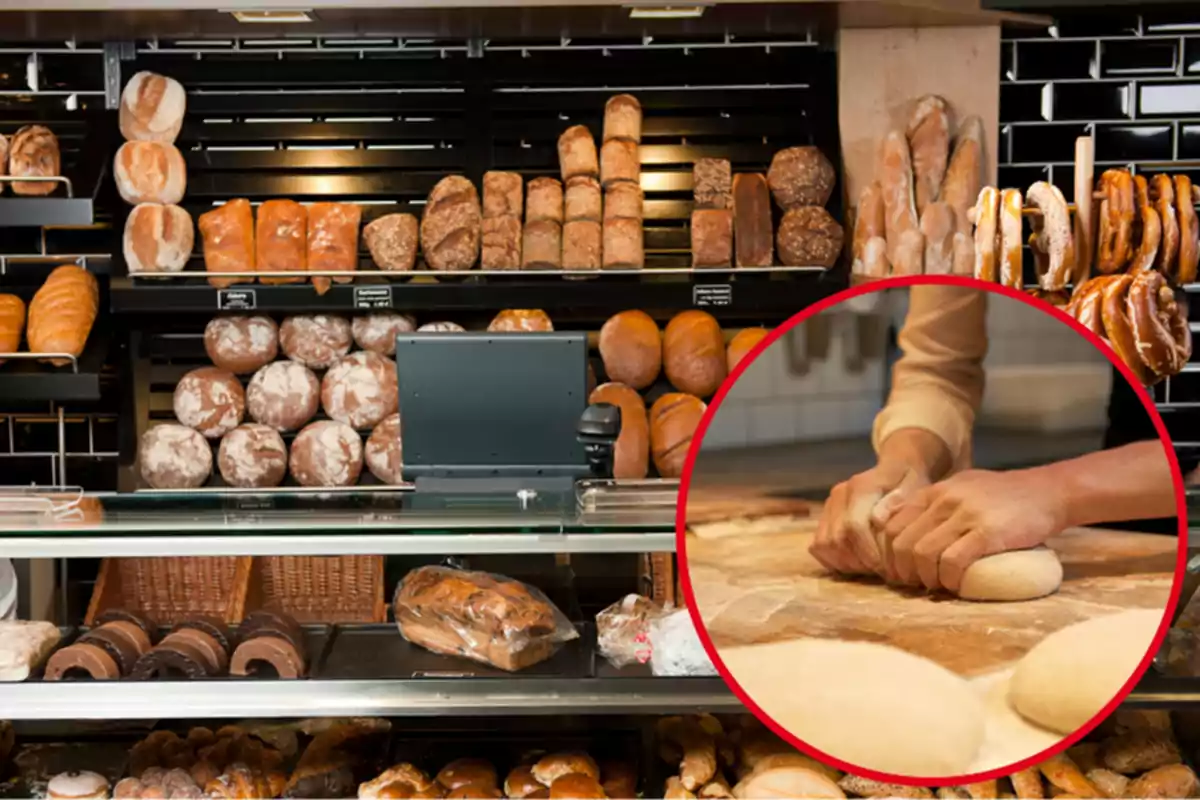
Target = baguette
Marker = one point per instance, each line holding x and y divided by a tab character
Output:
964	175
895	177
929	142
937	226
868	224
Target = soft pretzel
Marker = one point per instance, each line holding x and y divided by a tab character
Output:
1011	250
1086	305
1120	327
1054	238
986	219
1159	324
1147	228
1059	299
1162	192
1113	245
1189	231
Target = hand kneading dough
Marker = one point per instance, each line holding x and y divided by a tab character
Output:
875	706
1011	576
1073	673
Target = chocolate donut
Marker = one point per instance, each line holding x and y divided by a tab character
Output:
216	658
133	633
265	622
146	623
121	649
277	652
93	660
210	625
180	656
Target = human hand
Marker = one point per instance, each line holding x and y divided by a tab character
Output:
943	529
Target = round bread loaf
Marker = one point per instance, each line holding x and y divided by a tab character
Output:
631	456
574	786
360	390
520	320
745	341
451	225
152	108
242	345
211	401
441	327
252	456
174	457
694	353
552	767
157	238
316	341
384	451
463	771
377	332
283	395
809	237
392	240
34	153
326	453
631	347
674	418
150	172
801	176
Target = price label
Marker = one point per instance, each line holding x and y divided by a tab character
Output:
712	294
371	297
441	674
237	299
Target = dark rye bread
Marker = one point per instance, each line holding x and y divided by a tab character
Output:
752	234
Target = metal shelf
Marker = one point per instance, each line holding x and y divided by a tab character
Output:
1158	691
23	377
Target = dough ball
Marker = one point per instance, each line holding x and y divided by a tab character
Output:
252	456
283	395
377	332
211	401
384	452
1012	576
874	706
360	390
441	327
315	341
327	453
1070	675
242	345
174	457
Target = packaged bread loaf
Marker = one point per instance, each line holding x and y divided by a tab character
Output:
631	455
483	617
62	313
228	236
33	153
501	242
752	233
631	348
623	201
619	161
544	200
674	418
152	108
392	241
332	241
541	245
712	237
12	323
712	183
577	153
623	118
503	194
280	239
801	176
450	225
581	244
157	238
583	199
623	243
694	353
150	172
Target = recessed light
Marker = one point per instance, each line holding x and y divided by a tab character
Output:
276	16
665	12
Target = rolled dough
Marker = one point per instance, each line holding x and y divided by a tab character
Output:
872	705
1015	575
1073	673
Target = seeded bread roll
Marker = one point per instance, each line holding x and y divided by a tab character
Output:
623	118
501	243
581	245
577	153
623	247
541	245
694	353
619	161
450	226
809	236
583	199
503	194
544	201
712	237
801	176
674	418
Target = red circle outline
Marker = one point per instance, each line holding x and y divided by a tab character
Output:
835	300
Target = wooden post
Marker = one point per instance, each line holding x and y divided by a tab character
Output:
1085	229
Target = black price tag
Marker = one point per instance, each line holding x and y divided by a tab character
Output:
713	294
369	297
237	299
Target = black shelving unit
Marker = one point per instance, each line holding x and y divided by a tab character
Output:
28	379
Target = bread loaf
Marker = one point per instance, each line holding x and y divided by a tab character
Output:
450	226
541	246
752	231
581	245
174	457
619	161
521	320
62	313
384	451
12	323
283	395
228	236
623	201
503	194
577	153
964	175
360	390
712	183
377	332
252	456
712	237
623	118
150	172
501	243
157	238
544	201
241	345
623	243
317	341
3	158
631	348
326	453
809	237
152	108
392	242
694	353
33	153
674	418
741	345
280	238
801	176
441	327
583	199
631	457
210	401
332	241
929	143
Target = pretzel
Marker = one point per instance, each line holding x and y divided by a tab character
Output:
1147	228
1162	191
1085	306
1113	248
1116	313
1059	299
1011	266
1189	232
1159	324
1054	238
986	219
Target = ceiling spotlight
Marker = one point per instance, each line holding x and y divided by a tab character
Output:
274	16
665	12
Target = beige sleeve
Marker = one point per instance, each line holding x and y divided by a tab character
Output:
937	384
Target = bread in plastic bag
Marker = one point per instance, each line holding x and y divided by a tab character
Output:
623	630
477	615
675	648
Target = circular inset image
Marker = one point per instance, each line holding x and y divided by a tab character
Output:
930	532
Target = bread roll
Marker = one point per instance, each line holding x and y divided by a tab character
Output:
582	245
62	313
631	457
464	771
521	320
694	353
752	231
441	327
712	237
360	390
228	236
377	332
541	245
33	153
801	176
283	395
544	201
242	345
150	172
619	162
501	243
12	323
279	239
712	183
3	158
316	341
210	401
623	244
174	457
623	118
326	453
384	451
332	241
574	786
450	226
152	108
674	418
583	199
157	238
252	456
503	194
624	200
809	237
741	345
392	242
577	153
631	348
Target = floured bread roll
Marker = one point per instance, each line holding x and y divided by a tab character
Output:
1012	576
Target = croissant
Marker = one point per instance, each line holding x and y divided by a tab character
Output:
62	313
12	323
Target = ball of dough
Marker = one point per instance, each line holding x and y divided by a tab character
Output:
441	327
315	341
377	332
327	453
384	451
242	345
210	400
874	706
252	456
283	395
174	457
1070	675
1012	576
360	390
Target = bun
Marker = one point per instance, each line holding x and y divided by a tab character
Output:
574	786
252	456
316	341
521	320
150	172
228	234
377	332
803	176
12	323
174	457
631	348
631	458
694	353
503	194
673	421
242	345
577	153
283	395
741	345
450	226
152	108
623	119
392	241
211	401
279	239
157	238
332	241
464	771
326	453
62	313
33	153
441	327
552	767
360	390
544	201
384	451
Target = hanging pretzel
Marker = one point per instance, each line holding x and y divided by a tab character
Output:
1162	192
1113	245
1054	239
1115	310
1189	231
1147	228
1160	325
986	216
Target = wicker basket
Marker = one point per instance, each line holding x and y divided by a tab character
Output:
323	588
172	589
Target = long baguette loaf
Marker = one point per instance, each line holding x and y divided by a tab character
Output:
964	175
937	225
12	323
929	143
868	224
62	313
895	177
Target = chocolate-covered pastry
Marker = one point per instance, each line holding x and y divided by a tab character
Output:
266	622
277	652
177	656
146	623
119	647
216	659
210	625
82	656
